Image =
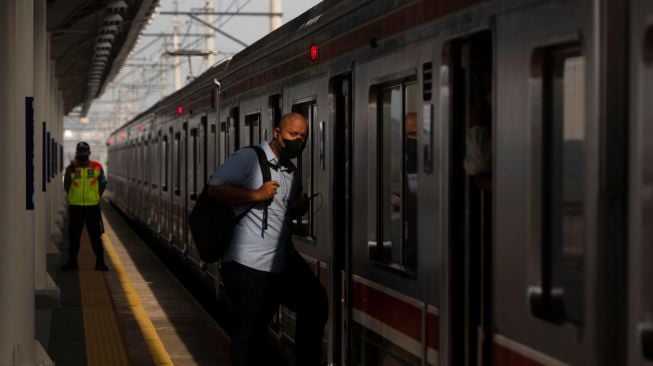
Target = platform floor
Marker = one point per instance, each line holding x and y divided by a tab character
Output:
137	313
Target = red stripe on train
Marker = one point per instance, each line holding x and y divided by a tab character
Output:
432	331
504	356
392	311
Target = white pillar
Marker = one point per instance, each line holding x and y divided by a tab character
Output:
17	339
210	40
275	20
57	186
42	230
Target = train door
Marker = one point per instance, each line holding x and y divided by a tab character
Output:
166	187
304	227
640	329
149	194
210	152
195	179
156	182
340	313
470	199
185	189
546	258
311	233
177	190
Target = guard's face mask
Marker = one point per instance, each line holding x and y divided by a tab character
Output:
82	158
292	148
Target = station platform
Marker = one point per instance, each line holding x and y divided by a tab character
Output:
137	313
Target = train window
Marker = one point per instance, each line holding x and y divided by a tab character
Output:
396	145
222	142
146	166
165	162
304	226
563	170
234	129
204	150
176	156
195	147
156	172
252	130
274	107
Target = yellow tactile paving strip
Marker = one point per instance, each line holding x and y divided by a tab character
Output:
104	344
159	354
190	336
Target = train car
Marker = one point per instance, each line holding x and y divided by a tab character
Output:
542	260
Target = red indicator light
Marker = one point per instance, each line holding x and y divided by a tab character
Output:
314	53
180	110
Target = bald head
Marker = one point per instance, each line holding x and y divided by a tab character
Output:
293	126
292	119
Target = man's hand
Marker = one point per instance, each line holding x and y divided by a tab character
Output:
300	206
267	191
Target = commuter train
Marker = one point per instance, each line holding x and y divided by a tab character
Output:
542	260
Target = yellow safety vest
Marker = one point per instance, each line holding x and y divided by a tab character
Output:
84	184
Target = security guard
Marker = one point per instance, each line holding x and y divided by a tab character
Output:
84	182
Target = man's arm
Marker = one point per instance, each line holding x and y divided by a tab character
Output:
232	195
102	181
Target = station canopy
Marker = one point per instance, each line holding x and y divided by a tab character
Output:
90	41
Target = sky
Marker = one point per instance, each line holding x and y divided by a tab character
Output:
147	75
247	29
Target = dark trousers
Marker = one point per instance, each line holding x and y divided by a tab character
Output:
256	296
91	216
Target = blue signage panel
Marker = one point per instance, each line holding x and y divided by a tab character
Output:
29	153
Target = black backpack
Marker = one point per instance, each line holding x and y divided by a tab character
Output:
212	223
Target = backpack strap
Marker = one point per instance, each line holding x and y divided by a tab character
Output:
267	176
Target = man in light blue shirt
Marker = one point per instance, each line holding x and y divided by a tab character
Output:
261	269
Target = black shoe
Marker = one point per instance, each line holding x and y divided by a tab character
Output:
100	266
70	266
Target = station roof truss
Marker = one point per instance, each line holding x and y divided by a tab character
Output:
91	39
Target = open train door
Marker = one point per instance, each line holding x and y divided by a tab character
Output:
341	100
470	59
640	325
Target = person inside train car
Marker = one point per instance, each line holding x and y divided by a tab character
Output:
478	144
261	269
410	182
84	183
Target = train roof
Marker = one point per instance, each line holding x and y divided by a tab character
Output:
322	23
296	29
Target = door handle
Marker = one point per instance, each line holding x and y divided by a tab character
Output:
547	303
646	339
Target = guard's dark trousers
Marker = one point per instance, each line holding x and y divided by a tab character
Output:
256	296
91	216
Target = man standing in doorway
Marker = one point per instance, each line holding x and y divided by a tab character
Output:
84	182
261	269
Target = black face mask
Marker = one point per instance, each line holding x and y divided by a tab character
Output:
293	148
82	158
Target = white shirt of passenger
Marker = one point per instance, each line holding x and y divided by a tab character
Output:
251	246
